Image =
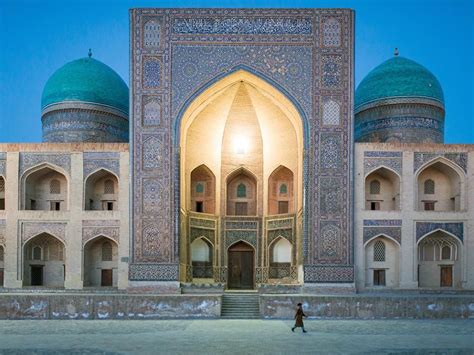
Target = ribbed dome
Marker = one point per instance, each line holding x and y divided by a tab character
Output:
86	80
398	77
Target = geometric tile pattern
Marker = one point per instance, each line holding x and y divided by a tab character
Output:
422	228
459	159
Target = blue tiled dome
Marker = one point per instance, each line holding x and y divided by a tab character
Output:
86	80
398	77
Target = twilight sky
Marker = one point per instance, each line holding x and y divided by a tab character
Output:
39	36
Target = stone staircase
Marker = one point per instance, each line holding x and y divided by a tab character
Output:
240	305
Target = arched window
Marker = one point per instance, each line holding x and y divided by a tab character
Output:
446	253
106	251
37	253
379	251
429	187
199	188
54	186
283	189
241	190
375	187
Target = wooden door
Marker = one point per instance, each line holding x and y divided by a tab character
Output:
106	278
446	276
36	275
241	267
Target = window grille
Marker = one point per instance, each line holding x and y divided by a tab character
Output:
199	188
109	187
375	187
379	251
37	253
2	185
106	251
429	187
241	190
283	189
54	186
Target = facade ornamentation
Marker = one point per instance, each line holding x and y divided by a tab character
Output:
460	159
94	228
32	229
101	160
423	228
377	159
29	160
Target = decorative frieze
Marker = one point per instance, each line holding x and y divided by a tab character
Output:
332	274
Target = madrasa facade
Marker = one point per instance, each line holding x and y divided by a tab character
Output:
240	158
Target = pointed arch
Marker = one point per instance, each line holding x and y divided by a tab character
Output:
100	261
203	190
439	230
280	191
382	261
382	189
449	182
96	195
35	188
237	203
382	235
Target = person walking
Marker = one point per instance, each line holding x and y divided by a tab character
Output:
299	318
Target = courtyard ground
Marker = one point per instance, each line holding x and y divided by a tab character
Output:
236	337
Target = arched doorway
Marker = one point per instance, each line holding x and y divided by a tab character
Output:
241	266
100	262
44	263
238	140
101	191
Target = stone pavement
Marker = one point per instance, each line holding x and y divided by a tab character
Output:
236	337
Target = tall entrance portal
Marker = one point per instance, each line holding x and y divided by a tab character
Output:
241	184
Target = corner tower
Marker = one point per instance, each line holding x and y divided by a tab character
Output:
85	101
399	101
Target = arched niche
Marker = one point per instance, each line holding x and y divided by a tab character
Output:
280	191
203	190
44	261
202	258
439	260
101	191
382	190
382	266
101	262
280	253
2	193
44	188
241	194
439	187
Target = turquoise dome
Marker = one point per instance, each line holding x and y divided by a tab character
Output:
86	80
398	77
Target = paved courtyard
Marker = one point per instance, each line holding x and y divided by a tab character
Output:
237	337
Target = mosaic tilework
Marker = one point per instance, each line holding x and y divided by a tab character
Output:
152	33
375	159
93	228
331	151
331	69
332	274
422	228
32	229
331	112
29	160
197	50
101	160
152	111
382	222
331	32
153	272
404	120
330	196
242	25
421	158
152	68
329	246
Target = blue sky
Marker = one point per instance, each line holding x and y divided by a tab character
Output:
39	36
